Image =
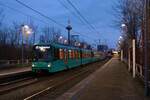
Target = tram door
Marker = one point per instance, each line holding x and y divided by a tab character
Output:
66	58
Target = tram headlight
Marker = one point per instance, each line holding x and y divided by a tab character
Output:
49	65
33	65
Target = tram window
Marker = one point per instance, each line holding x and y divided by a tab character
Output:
79	53
85	55
92	54
70	54
82	55
66	54
76	54
56	53
88	54
61	54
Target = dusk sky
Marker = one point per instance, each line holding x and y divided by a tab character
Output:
98	12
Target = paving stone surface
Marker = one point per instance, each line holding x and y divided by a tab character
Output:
111	82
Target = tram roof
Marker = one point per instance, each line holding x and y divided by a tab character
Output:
62	46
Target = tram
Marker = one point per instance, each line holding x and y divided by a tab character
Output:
57	57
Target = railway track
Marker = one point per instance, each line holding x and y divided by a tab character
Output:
15	84
10	82
37	94
14	76
46	85
14	81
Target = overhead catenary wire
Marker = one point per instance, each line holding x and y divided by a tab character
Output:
18	11
79	13
73	14
61	25
50	19
69	10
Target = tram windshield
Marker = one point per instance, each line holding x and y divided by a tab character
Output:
43	53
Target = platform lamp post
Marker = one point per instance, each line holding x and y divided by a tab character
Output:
69	28
123	27
26	30
22	47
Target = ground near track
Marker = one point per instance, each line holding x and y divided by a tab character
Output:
15	76
58	84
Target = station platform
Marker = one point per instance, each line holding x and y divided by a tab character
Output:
111	82
14	70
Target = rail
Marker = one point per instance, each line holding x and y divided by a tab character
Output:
37	94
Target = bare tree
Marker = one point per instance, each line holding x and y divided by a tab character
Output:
130	13
14	34
4	36
42	39
50	34
2	16
3	30
34	28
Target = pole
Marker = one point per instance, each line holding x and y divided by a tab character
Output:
129	58
22	48
27	39
121	54
134	66
145	48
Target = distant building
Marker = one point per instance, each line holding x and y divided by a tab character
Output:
75	37
102	48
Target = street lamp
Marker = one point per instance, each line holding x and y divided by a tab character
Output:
123	28
123	25
26	30
65	41
60	39
120	37
79	44
26	26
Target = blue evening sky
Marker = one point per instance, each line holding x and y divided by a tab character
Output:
98	12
